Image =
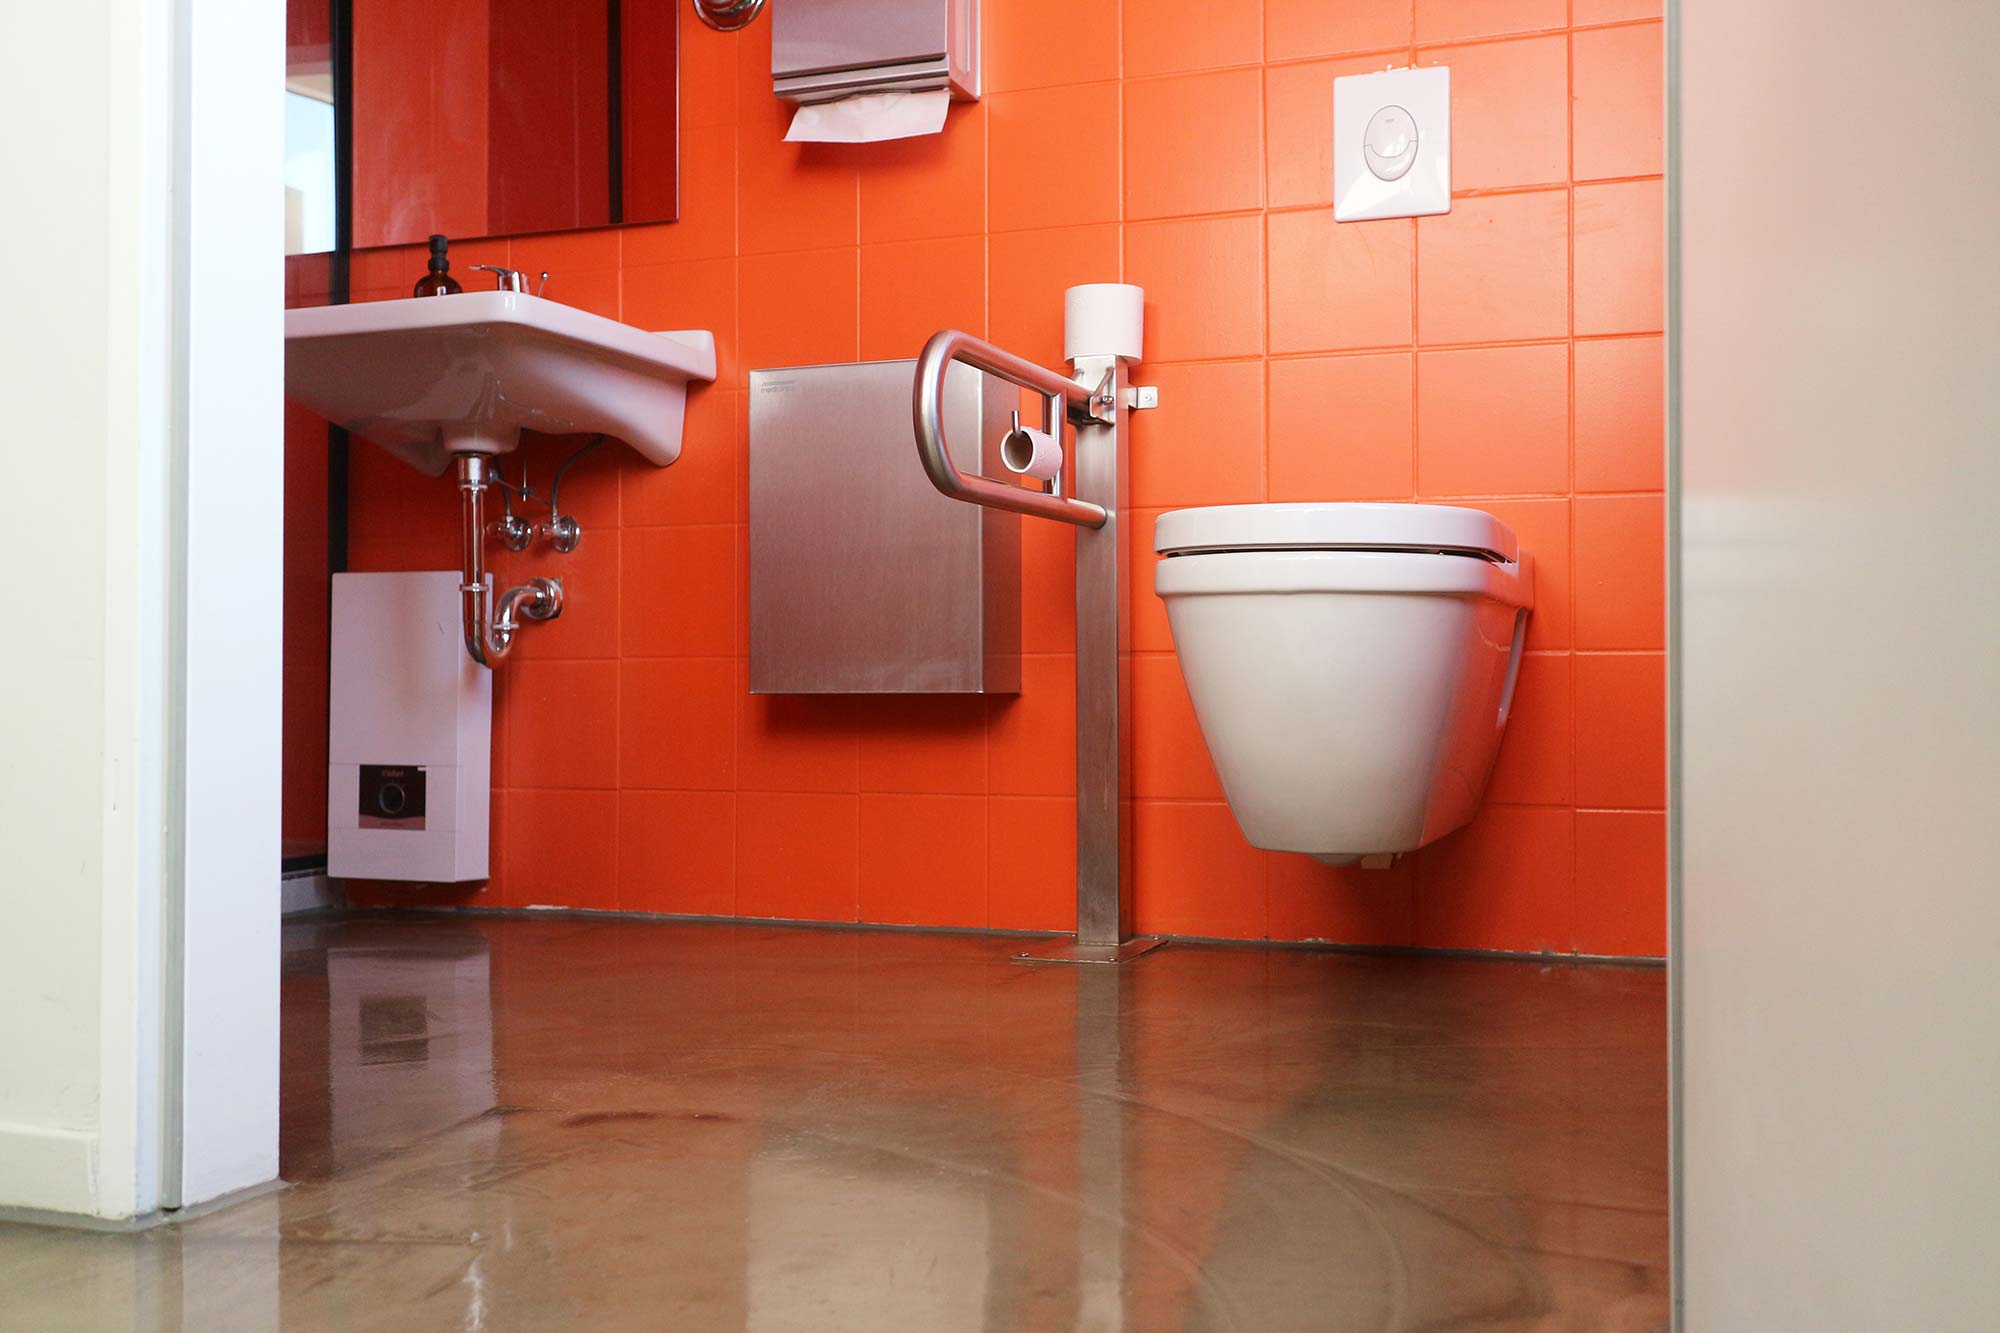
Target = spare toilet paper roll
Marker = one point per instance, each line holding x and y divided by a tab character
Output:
1031	452
870	118
1104	319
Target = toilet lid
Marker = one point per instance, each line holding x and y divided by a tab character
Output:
1334	527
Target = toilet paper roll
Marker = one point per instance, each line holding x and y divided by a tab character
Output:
1031	453
1104	319
870	118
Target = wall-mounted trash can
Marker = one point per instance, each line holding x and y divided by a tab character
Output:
863	579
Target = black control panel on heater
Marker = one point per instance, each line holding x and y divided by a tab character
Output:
392	796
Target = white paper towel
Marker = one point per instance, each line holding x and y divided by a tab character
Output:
870	118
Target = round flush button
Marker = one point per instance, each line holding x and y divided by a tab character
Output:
1390	143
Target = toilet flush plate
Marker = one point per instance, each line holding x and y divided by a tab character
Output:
1392	144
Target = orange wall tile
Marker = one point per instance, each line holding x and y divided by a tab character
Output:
1186	458
307	608
1335	286
677	723
1204	282
1192	144
1509	111
1507	352
677	852
1612	11
1309	901
1298	131
1343	425
1296	28
903	282
1024	124
1205	880
1019	53
1620	257
923	859
934	743
1031	736
1621	590
560	849
1620	414
1493	421
1619	102
1168	36
1454	20
1031	862
798	855
929	186
1536	765
1027	273
1169	760
1621	900
1621	731
562	724
1494	269
1507	881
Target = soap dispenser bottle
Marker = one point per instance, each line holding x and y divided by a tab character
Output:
438	281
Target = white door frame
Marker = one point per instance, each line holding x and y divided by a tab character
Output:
228	557
139	821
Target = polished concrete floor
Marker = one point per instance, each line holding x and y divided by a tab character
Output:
564	1124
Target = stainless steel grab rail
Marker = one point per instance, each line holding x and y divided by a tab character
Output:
1061	398
1092	491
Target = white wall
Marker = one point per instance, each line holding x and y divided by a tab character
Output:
72	761
117	336
1838	675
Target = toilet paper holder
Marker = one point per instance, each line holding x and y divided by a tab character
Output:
1028	452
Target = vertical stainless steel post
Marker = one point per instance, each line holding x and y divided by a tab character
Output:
1095	404
1103	673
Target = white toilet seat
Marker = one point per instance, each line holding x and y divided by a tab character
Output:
1344	570
1335	527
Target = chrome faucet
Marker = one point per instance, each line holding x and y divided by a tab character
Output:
511	279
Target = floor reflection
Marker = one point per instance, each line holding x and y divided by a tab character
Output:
538	1124
387	1036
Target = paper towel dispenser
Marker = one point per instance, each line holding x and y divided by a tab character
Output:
824	49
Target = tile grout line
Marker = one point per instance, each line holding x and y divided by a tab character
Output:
1569	256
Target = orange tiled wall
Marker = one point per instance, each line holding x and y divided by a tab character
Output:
1506	355
307	592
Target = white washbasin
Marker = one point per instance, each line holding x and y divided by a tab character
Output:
427	378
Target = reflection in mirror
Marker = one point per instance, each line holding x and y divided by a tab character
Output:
309	159
481	118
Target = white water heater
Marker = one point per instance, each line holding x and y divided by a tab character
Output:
409	733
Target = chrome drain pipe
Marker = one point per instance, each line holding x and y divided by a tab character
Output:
489	637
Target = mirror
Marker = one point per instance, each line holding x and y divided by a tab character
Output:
481	118
310	169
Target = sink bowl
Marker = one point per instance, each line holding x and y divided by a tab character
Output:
428	378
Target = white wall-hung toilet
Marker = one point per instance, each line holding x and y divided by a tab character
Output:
1351	665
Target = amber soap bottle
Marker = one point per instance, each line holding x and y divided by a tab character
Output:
438	281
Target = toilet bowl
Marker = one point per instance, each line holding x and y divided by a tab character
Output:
1351	665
